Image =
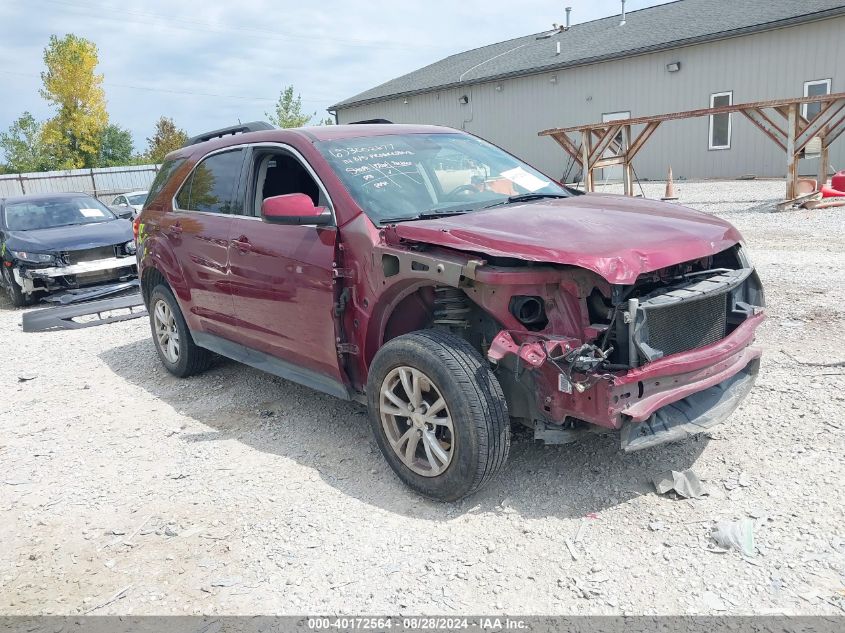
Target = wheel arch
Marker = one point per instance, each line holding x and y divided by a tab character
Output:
391	305
158	264
421	305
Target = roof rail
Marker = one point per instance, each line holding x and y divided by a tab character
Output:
371	122
253	126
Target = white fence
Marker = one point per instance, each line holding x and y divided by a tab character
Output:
103	183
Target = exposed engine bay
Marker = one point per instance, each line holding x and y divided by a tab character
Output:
642	353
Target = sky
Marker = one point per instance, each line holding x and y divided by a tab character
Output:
209	63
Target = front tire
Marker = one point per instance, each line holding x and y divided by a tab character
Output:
16	294
438	414
172	338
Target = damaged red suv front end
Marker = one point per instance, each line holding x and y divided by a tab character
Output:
611	313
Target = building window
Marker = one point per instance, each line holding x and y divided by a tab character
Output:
815	88
720	124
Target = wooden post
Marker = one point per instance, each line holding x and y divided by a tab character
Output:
791	158
627	168
823	164
586	167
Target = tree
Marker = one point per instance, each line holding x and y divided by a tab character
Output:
289	110
166	138
73	135
24	146
202	188
116	147
327	121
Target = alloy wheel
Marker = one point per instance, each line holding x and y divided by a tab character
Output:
167	334
416	421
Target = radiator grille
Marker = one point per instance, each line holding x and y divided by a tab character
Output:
89	255
686	325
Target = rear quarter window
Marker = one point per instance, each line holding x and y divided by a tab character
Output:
166	170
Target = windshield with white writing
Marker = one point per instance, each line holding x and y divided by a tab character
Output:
398	177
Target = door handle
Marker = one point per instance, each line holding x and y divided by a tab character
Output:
242	244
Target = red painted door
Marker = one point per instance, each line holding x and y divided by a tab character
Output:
200	243
281	280
198	230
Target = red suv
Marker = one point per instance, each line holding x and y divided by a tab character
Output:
450	287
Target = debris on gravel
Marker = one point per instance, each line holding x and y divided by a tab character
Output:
738	535
684	484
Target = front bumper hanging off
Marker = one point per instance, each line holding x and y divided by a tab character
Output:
662	401
86	314
88	293
694	414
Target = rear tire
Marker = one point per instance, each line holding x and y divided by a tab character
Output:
438	414
172	338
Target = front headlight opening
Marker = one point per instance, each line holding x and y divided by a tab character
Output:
36	258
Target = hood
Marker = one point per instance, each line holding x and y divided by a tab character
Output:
616	237
71	238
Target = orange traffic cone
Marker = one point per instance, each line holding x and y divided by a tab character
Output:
830	192
670	188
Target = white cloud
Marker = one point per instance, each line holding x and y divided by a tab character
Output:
162	57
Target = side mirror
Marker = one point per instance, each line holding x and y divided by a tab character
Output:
294	208
122	212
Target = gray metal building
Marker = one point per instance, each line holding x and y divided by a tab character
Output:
684	55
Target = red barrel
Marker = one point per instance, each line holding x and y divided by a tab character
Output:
838	181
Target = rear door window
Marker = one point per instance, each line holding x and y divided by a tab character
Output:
213	185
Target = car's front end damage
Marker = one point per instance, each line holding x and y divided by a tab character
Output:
65	270
60	245
668	356
648	342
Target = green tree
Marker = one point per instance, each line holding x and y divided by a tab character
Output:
288	110
166	138
73	135
116	147
327	121
202	188
24	147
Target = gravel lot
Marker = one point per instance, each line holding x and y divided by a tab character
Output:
236	492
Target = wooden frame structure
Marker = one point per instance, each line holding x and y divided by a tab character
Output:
780	120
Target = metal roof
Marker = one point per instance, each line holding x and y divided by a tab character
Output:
665	26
